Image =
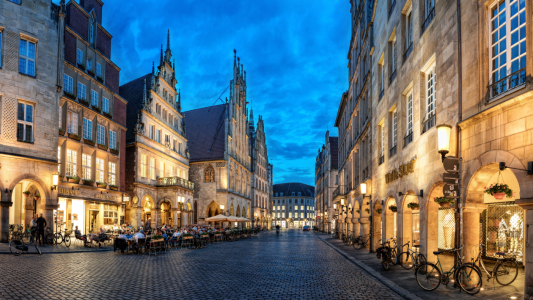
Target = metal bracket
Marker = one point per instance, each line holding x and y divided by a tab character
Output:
529	169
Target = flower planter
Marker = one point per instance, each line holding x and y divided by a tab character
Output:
69	95
36	198
73	180
88	183
96	108
114	188
100	79
26	195
81	66
114	151
61	132
84	102
103	147
415	208
108	115
74	136
88	142
101	184
499	196
91	73
444	204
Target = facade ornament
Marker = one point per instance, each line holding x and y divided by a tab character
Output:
139	127
179	101
183	127
187	153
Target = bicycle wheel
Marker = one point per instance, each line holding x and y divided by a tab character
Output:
506	272
58	238
469	279
357	244
26	238
421	259
50	239
13	247
37	248
67	240
386	264
406	260
428	276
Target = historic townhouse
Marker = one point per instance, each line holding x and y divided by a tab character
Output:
326	181
30	82
220	162
92	120
293	205
270	186
261	184
158	168
354	120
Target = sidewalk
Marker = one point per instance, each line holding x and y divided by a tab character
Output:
61	248
406	278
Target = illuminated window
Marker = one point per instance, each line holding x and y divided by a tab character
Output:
152	168
71	163
111	174
86	166
99	170
143	165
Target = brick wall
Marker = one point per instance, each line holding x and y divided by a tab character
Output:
103	43
70	48
88	5
111	77
119	112
78	21
123	160
129	170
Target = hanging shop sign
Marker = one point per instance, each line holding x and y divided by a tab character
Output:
67	192
402	170
451	178
451	191
451	164
105	197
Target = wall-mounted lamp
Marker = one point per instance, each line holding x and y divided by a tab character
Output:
363	189
221	206
55	181
421	194
443	139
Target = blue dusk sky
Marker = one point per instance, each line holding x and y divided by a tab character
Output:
294	53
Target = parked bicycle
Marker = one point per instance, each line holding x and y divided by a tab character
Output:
361	242
388	253
504	271
60	238
347	239
410	259
429	276
17	245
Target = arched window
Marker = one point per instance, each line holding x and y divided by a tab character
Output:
209	174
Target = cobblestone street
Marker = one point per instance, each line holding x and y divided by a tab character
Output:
295	265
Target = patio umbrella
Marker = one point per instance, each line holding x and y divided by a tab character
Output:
217	218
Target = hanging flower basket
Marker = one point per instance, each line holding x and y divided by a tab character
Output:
26	193
379	210
36	197
393	208
413	206
358	211
499	191
367	210
443	201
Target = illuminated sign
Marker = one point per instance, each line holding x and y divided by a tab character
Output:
402	170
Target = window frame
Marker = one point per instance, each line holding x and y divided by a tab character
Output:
86	161
100	170
72	122
105	104
72	163
79	56
111	173
25	123
68	84
112	139
152	168
143	165
100	134
94	98
82	91
26	57
87	129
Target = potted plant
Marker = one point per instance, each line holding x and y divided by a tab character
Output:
367	210
113	187
101	184
88	142
393	208
84	102
88	182
69	95
37	197
74	136
98	109
443	201
26	193
358	211
114	151
61	131
499	191
413	206
379	210
108	115
74	179
102	146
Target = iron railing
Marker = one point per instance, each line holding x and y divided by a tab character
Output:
429	123
428	20
339	191
175	181
392	76
408	138
408	51
392	151
507	84
393	4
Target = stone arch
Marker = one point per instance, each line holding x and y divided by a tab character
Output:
390	223
377	223
238	211
248	213
165	208
212	209
22	209
429	231
44	190
409	219
209	174
148	214
231	210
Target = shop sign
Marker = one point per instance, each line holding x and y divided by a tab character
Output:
451	178
105	197
451	190
451	164
67	192
402	170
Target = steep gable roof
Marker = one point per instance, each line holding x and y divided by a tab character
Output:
288	188
205	132
133	93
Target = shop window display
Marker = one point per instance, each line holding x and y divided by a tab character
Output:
502	227
110	214
446	228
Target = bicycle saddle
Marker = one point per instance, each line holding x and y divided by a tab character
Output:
437	252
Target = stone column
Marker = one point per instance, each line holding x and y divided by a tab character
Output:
175	217
376	232
364	226
405	232
471	231
48	215
28	214
4	219
136	216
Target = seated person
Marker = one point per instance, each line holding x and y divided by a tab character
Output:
128	235
77	234
121	235
138	235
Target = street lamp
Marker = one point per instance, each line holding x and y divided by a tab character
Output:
55	181
363	192
443	139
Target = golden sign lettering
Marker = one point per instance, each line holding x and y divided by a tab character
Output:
105	197
402	170
69	192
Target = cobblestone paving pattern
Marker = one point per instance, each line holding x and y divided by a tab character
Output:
295	265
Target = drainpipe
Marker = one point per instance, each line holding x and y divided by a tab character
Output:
458	211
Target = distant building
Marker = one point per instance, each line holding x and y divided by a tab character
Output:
220	163
293	205
326	181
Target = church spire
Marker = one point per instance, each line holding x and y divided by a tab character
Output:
168	39
168	53
161	58
179	100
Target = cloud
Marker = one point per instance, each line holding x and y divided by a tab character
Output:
294	53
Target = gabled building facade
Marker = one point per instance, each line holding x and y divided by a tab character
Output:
220	162
158	169
326	181
261	183
293	205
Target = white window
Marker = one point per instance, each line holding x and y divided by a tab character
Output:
105	104
72	122
174	143
151	131
0	49
94	98
301	207
158	135
152	168
382	79
382	141
161	169
394	55
27	58
111	174
409	113
91	32
98	70
112	140
68	86
409	29
25	122
431	92
99	170
79	56
100	134
59	159
86	167
71	163
143	165
89	64
82	91
430	4
301	215
87	129
290	215
394	128
296	207
508	44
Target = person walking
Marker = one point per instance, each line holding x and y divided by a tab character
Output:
41	224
